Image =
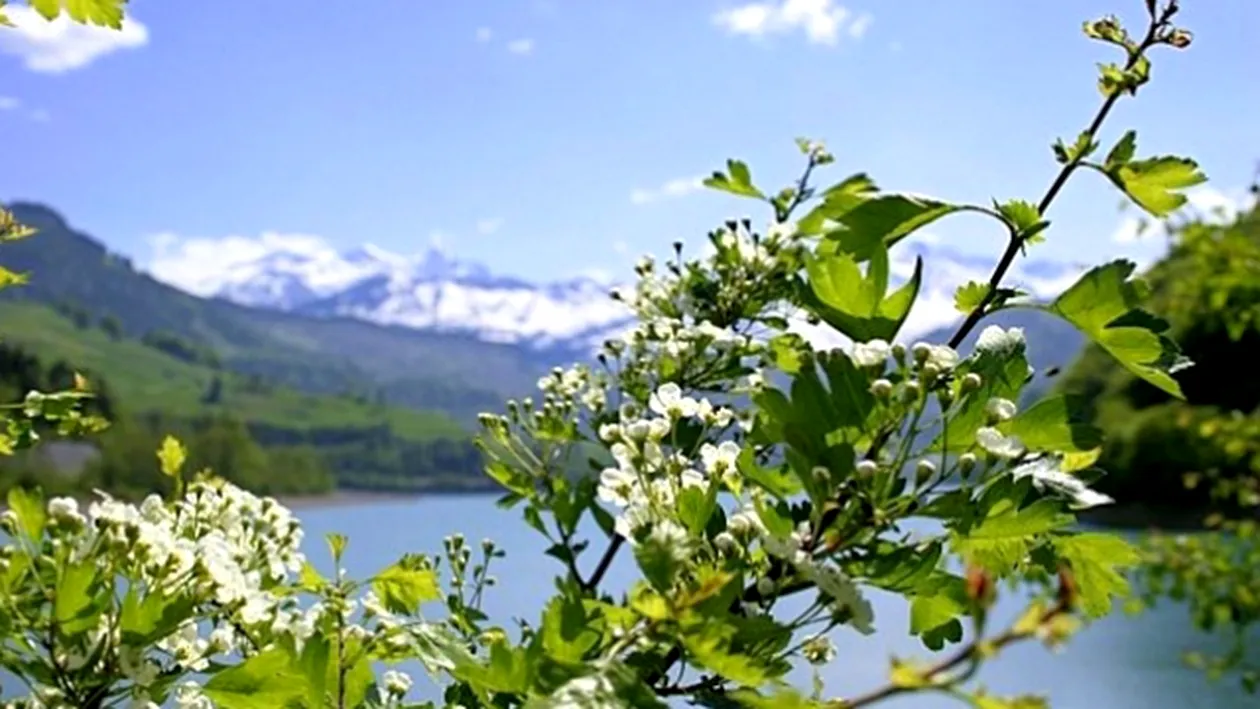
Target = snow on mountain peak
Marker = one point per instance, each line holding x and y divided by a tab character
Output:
435	291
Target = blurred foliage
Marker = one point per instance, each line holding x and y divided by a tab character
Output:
1158	448
1202	455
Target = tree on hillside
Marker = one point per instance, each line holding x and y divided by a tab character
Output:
1208	290
1202	453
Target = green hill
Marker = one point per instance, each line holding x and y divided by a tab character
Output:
147	379
455	374
1208	290
377	407
363	443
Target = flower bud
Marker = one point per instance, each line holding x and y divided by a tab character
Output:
765	586
1068	592
979	587
930	372
867	468
966	463
899	353
923	471
1180	38
912	390
921	351
821	474
999	409
881	388
971	382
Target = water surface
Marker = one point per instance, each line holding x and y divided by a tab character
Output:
1119	663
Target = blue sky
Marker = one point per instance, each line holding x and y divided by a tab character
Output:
520	130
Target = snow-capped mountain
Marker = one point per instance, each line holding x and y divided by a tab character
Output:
435	292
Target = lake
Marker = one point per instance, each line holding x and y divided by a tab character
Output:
1119	663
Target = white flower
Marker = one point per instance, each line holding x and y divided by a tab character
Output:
617	485
818	650
396	683
718	460
669	401
871	354
1046	472
1001	342
999	409
943	357
1002	446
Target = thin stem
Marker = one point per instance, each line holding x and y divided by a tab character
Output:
605	561
1016	241
971	653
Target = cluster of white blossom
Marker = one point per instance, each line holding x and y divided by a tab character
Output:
649	471
226	554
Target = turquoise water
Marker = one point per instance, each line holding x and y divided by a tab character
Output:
1119	663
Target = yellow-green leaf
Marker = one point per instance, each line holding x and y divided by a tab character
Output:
404	590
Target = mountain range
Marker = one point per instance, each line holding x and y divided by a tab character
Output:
422	331
435	293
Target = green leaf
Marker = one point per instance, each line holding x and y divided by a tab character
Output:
73	602
567	632
1055	424
317	663
696	505
658	562
611	685
1002	374
48	9
969	296
106	13
777	481
1154	183
1003	537
1095	559
934	617
885	220
857	304
710	647
28	505
156	615
778	698
403	589
1024	219
1082	148
1103	305
737	180
1123	151
265	681
507	670
336	545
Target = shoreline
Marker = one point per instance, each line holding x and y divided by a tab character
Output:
345	498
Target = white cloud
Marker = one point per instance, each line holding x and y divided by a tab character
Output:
1208	202
859	26
64	45
484	34
521	46
677	187
820	20
11	104
620	247
198	265
488	226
